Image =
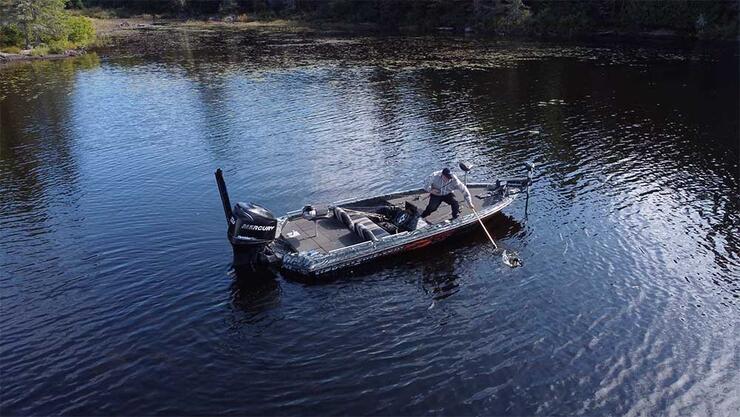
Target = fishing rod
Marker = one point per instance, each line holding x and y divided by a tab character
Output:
484	227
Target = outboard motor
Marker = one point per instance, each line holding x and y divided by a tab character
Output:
252	228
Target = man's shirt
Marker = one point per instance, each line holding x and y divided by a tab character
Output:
436	180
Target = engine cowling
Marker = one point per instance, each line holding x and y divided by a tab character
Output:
251	230
252	224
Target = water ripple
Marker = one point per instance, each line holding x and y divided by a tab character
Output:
115	288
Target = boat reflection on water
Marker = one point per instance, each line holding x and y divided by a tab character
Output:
502	226
255	289
441	285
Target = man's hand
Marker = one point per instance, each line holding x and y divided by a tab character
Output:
434	191
469	203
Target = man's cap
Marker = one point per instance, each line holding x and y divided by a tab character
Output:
446	172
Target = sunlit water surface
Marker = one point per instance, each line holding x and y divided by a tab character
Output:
117	295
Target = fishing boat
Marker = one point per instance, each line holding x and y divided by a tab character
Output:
317	240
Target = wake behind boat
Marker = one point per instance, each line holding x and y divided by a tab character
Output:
316	240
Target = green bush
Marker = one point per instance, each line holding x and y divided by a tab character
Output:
10	49
74	32
79	30
58	47
41	50
10	35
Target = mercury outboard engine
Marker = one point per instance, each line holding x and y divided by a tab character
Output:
252	228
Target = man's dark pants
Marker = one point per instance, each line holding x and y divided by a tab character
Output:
436	200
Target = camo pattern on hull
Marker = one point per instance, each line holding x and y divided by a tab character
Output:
315	263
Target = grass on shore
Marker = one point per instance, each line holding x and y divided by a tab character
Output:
40	51
11	50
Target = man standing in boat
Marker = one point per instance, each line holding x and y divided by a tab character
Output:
440	186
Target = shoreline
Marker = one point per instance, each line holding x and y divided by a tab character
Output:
109	27
104	29
6	58
116	27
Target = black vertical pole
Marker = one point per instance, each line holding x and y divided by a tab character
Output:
224	194
530	172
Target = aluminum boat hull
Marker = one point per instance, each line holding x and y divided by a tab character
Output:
314	263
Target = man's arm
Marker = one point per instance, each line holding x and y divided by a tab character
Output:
465	191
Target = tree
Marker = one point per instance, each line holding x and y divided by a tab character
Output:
37	19
6	7
75	4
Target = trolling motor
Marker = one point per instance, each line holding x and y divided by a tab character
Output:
519	182
465	166
251	229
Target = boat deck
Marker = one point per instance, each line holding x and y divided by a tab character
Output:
330	234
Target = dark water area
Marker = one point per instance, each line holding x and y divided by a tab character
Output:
116	291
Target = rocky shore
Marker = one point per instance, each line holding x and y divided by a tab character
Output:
27	56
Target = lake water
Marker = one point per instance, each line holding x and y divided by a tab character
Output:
117	295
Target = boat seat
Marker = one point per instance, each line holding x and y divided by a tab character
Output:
344	218
362	226
369	230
